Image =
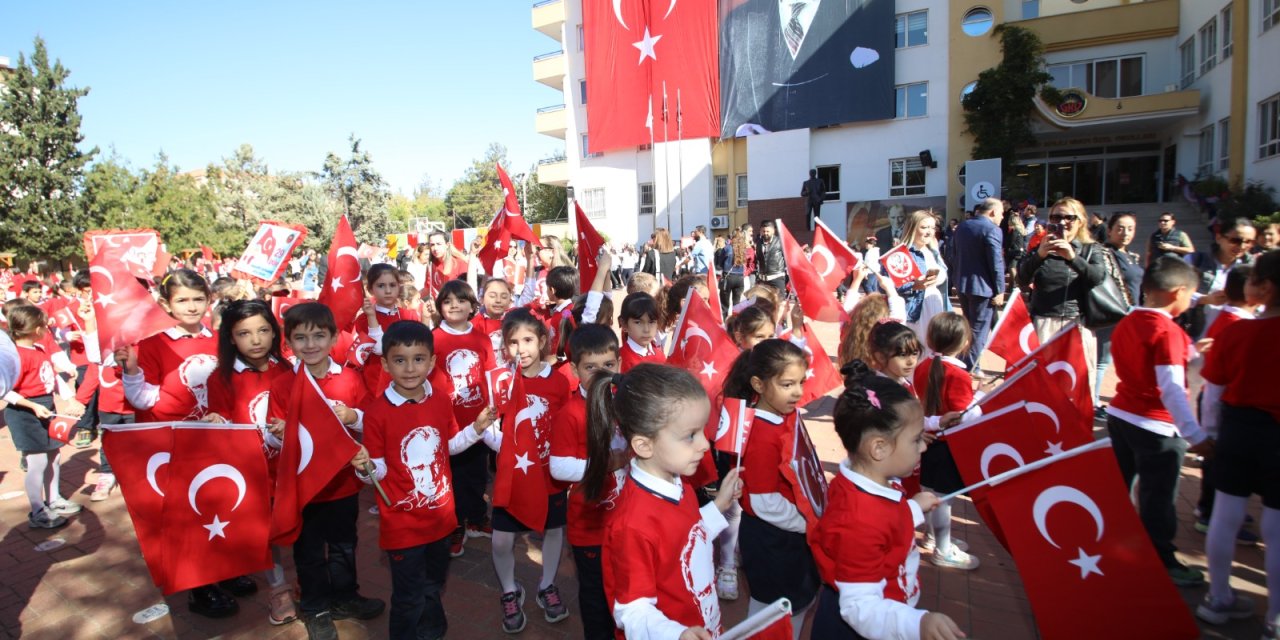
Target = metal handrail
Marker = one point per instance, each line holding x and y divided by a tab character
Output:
549	55
551	109
542	3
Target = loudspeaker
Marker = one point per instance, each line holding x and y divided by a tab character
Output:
926	159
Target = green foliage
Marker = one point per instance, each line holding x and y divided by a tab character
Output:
360	191
474	198
545	203
41	165
426	202
159	198
248	193
998	111
1255	201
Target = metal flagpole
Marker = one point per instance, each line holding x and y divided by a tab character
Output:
666	160
653	155
680	156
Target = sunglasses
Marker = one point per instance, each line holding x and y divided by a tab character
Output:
1237	240
1164	220
1064	219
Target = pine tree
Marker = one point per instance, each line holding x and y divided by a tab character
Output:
475	197
361	192
41	164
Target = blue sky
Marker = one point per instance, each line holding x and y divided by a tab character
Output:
426	85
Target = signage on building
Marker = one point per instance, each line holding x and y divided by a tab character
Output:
982	181
1072	104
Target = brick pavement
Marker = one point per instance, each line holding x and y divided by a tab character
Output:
91	586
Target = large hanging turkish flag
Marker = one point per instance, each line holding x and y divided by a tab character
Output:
343	290
639	51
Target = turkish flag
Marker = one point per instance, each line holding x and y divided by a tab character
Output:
1085	559
701	346
359	350
822	376
139	250
1063	358
831	258
1014	337
803	469
589	244
771	623
125	311
206	253
60	428
514	220
816	298
281	304
1039	388
316	449
644	53
141	454
217	505
733	426
501	382
497	243
65	317
522	481
900	266
343	290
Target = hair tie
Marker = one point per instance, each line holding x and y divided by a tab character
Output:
871	397
886	321
616	380
165	280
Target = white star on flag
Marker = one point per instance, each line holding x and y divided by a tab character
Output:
808	373
646	46
1088	564
215	528
335	284
523	463
708	370
1054	449
106	299
497	244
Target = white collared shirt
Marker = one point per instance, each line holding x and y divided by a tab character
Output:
177	333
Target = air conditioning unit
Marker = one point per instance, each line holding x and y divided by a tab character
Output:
719	222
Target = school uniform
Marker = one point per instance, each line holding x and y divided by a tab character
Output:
937	468
35	383
634	354
375	377
492	328
173	381
462	358
776	558
546	393
865	547
244	398
1227	317
657	557
551	316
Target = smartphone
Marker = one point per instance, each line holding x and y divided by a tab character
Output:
1054	229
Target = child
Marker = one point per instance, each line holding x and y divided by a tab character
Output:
946	385
751	326
639	318
775	555
324	555
589	308
249	361
527	338
495	300
408	430
29	408
593	352
642	282
656	554
462	356
1240	404
864	542
562	285
380	310
1150	419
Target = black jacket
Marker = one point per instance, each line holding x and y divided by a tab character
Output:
769	259
1057	286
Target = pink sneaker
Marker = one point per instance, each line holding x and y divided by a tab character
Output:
102	490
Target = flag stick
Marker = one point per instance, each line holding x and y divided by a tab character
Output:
680	155
1013	473
1003	385
369	471
666	151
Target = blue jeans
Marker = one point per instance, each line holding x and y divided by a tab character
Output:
1104	359
978	311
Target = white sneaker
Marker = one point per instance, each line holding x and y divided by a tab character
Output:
955	559
102	490
928	544
63	506
727	583
1215	612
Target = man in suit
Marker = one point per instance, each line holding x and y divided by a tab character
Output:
979	271
796	64
813	191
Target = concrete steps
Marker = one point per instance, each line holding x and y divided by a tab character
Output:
1189	218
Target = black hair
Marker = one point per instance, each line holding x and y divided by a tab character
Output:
1118	216
674	297
31	284
768	224
81	280
749	320
522	317
871	404
891	339
640	402
562	282
765	361
1266	268
460	290
639	306
223	285
183	279
570	320
947	334
813	173
407	333
232	313
591	339
1236	279
1168	273
377	271
309	314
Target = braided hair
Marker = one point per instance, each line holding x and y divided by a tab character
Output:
870	405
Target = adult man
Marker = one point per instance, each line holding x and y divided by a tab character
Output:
889	237
1168	240
814	190
771	265
979	277
700	255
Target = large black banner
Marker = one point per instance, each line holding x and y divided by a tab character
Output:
804	64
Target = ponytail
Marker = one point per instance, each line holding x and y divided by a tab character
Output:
933	395
600	421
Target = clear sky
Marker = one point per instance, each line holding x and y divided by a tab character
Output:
426	84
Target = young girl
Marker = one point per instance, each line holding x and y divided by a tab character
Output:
526	338
30	406
946	386
864	543
381	309
657	546
751	326
495	300
639	318
776	558
463	355
249	360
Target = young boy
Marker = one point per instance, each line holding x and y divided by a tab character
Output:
1150	419
324	554
593	351
562	285
410	433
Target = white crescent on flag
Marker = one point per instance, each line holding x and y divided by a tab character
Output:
216	471
1059	494
154	463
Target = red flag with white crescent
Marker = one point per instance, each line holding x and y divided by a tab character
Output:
497	243
513	219
521	482
900	266
141	453
816	298
701	346
1062	357
830	257
1014	336
821	376
589	243
124	310
343	290
139	250
734	425
501	382
281	304
803	470
60	427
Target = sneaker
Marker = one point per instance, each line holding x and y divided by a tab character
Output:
102	490
1215	612
727	583
283	610
320	626
211	602
553	607
83	439
1201	525
513	619
64	507
481	530
1185	576
955	559
927	546
456	541
45	519
359	607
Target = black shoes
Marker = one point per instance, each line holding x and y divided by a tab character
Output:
359	607
320	626
239	587
211	602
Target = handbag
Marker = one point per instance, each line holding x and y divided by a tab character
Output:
1105	304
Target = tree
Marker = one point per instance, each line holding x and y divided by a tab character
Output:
247	193
997	113
426	202
545	202
360	191
159	198
41	164
474	198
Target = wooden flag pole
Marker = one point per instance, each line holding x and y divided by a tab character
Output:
370	471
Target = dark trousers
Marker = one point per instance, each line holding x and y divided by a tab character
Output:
470	476
417	583
977	310
106	417
324	555
597	622
812	210
732	291
626	276
1156	462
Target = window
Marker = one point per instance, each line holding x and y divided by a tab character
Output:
1030	9
1224	143
1208	46
911	29
1105	78
582	88
1226	33
1207	152
742	190
906	177
913	100
1269	127
582	40
586	149
977	21
830	176
1270	14
722	192
1188	54
646	198
592	202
